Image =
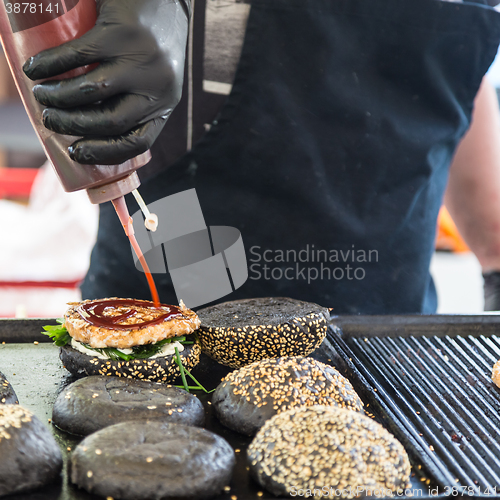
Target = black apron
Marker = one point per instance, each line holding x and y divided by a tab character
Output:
331	154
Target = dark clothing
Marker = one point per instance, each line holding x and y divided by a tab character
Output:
336	144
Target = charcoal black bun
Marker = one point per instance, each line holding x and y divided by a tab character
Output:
310	448
7	394
29	455
250	396
95	402
243	331
163	369
152	460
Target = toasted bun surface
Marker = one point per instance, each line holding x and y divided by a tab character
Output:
240	332
29	455
308	448
250	396
95	336
161	369
152	460
495	374
92	403
7	394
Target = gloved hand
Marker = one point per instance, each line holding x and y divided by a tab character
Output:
120	106
492	291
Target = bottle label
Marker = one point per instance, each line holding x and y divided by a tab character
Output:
26	15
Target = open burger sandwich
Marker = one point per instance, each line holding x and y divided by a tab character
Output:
127	338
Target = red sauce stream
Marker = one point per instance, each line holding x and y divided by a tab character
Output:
126	220
93	313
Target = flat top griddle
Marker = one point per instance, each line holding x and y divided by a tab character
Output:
405	404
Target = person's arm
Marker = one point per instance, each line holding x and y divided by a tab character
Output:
473	193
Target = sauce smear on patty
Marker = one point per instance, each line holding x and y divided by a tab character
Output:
94	313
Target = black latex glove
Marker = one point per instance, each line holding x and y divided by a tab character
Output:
492	291
120	107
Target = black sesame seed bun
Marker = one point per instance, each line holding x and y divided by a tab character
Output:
153	460
240	332
310	448
7	394
29	455
92	403
162	369
250	396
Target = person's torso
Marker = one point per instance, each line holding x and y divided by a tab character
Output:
330	152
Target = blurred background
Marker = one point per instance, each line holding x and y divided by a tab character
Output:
46	235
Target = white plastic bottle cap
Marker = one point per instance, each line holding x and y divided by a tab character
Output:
151	222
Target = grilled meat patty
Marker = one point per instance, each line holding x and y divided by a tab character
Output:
101	336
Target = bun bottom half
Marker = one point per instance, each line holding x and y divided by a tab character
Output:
162	369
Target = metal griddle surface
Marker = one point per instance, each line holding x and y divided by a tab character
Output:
37	376
434	376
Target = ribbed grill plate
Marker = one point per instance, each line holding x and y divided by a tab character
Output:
440	389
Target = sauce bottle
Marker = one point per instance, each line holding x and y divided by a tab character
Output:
27	28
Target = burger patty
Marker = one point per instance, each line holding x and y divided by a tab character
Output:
101	337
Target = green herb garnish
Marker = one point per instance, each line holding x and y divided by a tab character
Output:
58	333
181	368
184	372
198	385
138	352
145	351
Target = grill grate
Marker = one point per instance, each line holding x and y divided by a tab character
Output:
444	399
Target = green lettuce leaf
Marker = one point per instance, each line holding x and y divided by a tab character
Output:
139	351
57	333
61	337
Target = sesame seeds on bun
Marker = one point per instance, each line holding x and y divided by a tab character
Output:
7	394
29	455
250	396
240	332
153	460
92	403
162	369
308	448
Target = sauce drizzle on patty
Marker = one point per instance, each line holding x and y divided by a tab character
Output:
94	313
